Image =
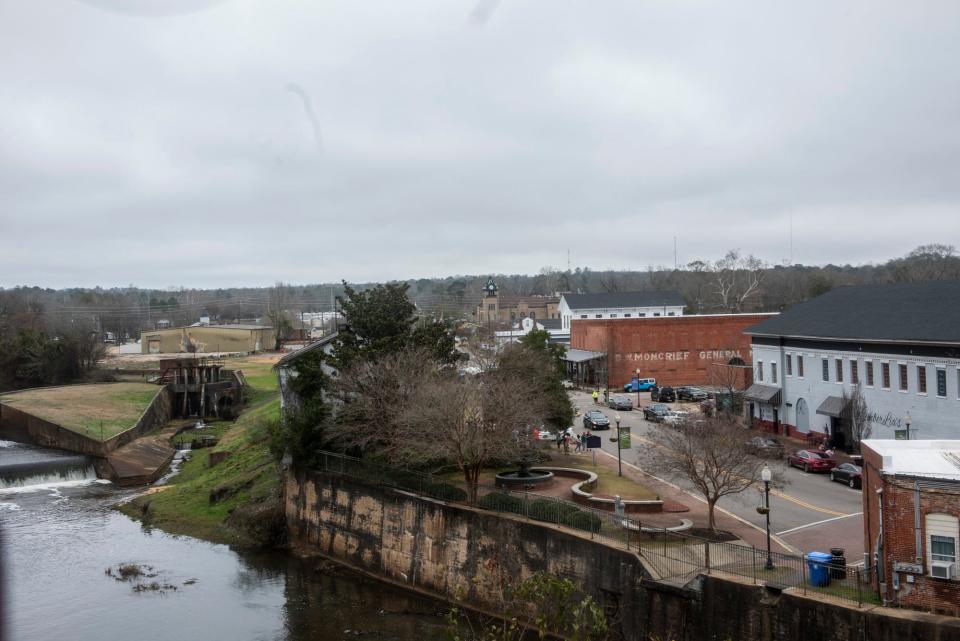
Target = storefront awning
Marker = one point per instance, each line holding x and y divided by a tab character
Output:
582	355
831	406
763	394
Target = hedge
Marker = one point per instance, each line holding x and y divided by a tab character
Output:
583	521
445	492
500	502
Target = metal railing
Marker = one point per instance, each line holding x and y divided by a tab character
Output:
672	556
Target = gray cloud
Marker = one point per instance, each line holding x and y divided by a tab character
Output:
160	152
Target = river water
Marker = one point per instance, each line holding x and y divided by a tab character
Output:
61	536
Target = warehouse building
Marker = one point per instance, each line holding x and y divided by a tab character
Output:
207	339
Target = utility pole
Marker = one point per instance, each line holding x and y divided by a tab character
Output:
674	253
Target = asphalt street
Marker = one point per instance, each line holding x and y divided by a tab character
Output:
808	512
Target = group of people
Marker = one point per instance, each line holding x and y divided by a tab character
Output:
596	396
579	441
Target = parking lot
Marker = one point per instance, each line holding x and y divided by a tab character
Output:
808	512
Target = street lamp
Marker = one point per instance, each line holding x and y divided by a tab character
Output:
619	460
906	420
638	388
766	475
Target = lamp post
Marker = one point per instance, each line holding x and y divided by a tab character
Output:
906	420
619	460
638	388
766	476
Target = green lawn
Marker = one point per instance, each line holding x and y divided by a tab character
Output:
248	475
98	411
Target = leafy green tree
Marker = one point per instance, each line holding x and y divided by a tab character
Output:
539	340
303	430
382	320
538	366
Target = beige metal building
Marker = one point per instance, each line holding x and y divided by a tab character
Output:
207	339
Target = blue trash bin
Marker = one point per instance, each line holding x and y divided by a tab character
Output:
818	565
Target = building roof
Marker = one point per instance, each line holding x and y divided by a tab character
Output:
294	355
619	300
582	355
934	459
763	394
832	406
550	323
196	326
913	312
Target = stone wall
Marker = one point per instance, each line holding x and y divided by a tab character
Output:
447	551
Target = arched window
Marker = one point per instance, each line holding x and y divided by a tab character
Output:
736	360
533	314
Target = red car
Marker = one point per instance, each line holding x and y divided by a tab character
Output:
811	461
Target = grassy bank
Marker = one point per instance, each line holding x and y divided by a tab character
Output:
97	411
233	501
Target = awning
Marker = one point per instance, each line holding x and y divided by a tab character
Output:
763	394
831	406
582	355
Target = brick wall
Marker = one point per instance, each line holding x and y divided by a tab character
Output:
679	350
925	593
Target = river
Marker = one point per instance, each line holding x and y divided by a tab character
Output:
61	536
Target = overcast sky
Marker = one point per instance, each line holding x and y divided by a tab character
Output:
244	141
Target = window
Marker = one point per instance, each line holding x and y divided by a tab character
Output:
826	370
789	365
656	313
885	375
626	315
902	370
942	383
868	367
641	314
598	316
583	315
759	370
922	379
943	548
513	316
854	373
800	365
671	314
839	363
773	373
491	308
613	315
533	314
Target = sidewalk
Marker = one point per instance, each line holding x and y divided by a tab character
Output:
673	495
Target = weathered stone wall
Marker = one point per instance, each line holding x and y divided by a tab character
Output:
449	551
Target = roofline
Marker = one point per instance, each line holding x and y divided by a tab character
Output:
896	341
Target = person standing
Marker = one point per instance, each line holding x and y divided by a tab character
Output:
596	396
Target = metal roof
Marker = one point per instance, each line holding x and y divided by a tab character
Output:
931	458
763	394
619	300
582	355
292	356
832	406
916	312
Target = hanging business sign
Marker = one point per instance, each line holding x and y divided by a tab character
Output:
624	438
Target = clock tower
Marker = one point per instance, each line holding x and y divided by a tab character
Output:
490	289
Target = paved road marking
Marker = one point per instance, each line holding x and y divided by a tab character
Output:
777	493
781	542
804	527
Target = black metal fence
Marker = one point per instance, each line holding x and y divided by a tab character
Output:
672	556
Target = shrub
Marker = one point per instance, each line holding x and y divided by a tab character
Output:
550	510
583	521
501	502
445	492
406	480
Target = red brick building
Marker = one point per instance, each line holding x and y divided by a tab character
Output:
680	350
911	522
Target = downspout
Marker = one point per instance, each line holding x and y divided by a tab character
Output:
916	522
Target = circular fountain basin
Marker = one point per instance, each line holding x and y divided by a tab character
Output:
524	478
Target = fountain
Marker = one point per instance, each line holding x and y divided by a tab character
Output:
524	477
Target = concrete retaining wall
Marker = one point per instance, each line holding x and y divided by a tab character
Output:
21	426
448	550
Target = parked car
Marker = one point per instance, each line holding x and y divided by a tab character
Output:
640	385
811	461
596	420
765	446
847	473
620	403
690	393
656	412
676	417
663	394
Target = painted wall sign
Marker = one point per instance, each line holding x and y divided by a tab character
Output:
708	354
886	420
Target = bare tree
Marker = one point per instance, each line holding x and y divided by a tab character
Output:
856	415
408	408
278	300
736	279
709	455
